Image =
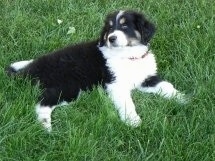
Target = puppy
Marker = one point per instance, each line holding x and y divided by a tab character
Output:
119	61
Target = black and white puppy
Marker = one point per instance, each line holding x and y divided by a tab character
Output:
120	61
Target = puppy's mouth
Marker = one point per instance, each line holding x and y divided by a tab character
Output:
121	42
130	43
115	45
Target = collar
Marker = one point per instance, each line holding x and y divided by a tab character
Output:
141	57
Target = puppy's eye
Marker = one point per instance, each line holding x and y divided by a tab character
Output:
124	26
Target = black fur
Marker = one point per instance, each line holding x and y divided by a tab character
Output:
64	73
151	81
146	28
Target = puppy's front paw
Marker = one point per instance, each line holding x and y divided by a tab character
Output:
44	116
133	121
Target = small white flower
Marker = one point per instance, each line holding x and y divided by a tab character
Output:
59	21
198	26
71	30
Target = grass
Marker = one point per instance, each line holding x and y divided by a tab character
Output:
89	129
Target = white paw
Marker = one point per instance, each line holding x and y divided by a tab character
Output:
44	116
133	121
46	122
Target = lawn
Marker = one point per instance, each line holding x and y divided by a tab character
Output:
89	128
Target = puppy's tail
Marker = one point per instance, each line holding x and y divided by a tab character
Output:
10	71
17	67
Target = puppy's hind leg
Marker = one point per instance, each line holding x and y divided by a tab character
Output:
157	86
52	98
17	66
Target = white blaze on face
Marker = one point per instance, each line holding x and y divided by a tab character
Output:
119	15
121	39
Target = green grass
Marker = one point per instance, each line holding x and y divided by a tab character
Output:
89	128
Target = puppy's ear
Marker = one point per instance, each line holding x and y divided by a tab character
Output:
146	28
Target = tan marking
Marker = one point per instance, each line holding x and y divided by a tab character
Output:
122	21
138	34
111	23
105	36
133	42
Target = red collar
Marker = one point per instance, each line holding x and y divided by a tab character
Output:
136	58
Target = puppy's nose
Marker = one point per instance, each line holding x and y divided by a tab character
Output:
112	38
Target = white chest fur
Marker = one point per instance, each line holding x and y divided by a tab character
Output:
130	73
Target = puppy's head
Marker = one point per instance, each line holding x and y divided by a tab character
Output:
126	28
